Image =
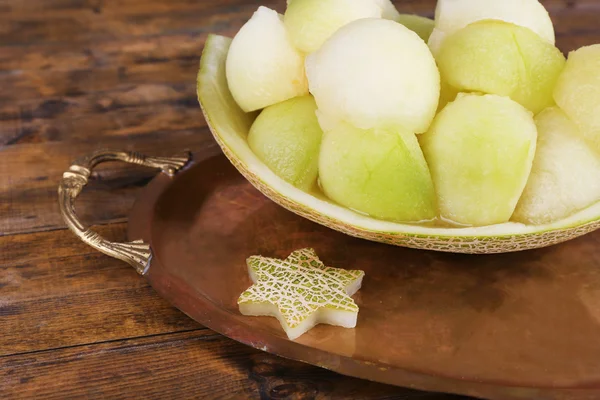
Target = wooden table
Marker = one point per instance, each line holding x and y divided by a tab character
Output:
76	75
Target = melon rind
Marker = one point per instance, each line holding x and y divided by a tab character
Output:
230	125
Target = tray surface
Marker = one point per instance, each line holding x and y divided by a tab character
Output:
500	326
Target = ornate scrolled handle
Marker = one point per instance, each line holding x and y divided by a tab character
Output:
137	254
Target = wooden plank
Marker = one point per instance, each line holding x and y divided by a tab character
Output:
118	52
56	8
160	108
56	277
110	22
70	294
25	249
184	366
30	173
138	89
79	319
30	84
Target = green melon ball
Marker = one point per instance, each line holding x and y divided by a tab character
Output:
375	73
500	58
578	92
263	67
564	178
422	26
311	22
287	138
453	15
377	172
480	151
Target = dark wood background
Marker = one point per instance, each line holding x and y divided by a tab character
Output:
76	75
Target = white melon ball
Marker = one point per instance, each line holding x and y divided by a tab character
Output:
311	22
564	179
453	15
263	67
375	73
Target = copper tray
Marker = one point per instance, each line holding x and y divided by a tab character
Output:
511	326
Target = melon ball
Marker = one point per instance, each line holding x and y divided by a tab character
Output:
311	22
287	138
263	67
422	26
453	15
480	151
578	92
375	73
379	172
500	58
564	179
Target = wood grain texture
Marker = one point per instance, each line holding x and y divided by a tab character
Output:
57	292
77	75
187	365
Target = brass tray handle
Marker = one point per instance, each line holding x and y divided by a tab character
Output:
137	254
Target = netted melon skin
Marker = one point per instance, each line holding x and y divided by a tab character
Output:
455	244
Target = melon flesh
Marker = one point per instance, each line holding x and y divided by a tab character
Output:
311	22
453	15
263	67
480	150
564	179
497	57
578	92
378	172
287	138
375	73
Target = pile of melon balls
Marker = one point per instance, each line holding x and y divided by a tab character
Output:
473	119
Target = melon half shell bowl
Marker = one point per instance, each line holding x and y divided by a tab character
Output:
230	126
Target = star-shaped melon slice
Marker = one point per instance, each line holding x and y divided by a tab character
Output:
301	292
